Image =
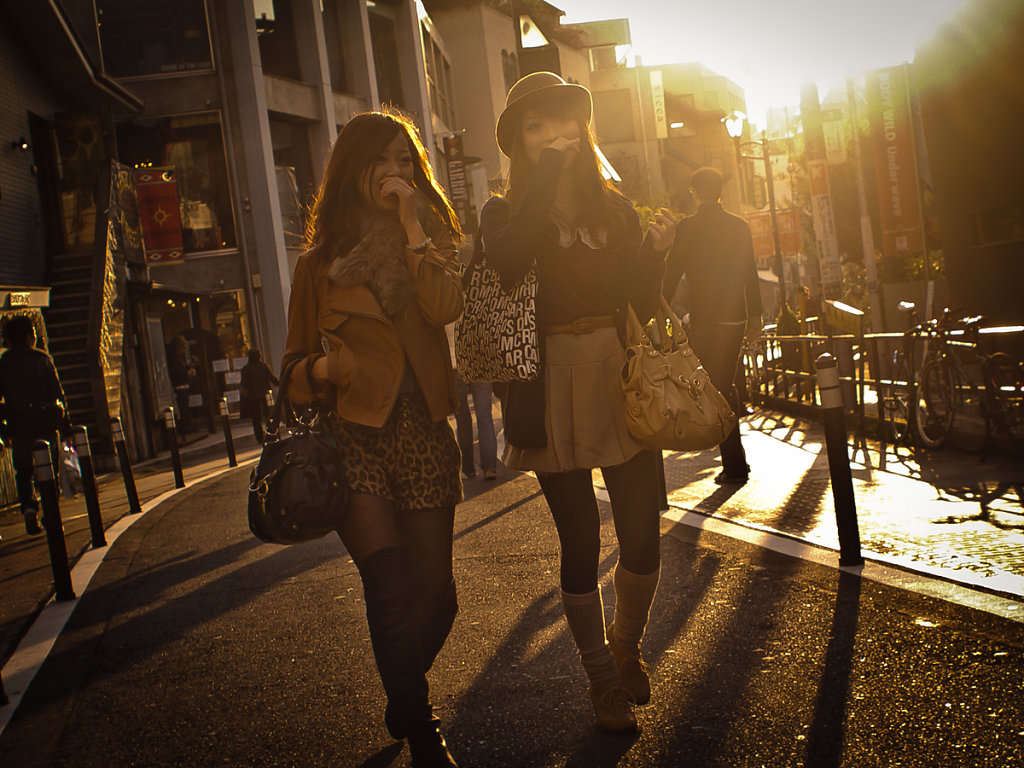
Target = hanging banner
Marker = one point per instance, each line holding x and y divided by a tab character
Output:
893	143
159	215
788	221
824	227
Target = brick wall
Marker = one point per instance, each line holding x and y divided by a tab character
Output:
23	89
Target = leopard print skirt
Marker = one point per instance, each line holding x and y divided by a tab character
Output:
411	461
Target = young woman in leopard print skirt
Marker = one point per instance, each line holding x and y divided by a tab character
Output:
369	303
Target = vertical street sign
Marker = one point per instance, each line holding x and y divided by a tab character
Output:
893	142
824	227
457	184
658	104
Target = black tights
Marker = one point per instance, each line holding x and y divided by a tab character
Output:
633	490
424	536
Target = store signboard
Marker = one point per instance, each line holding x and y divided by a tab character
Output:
160	216
824	226
893	143
658	104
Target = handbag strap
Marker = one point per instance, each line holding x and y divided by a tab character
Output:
636	334
274	420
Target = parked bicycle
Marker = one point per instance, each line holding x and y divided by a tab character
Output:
964	393
898	392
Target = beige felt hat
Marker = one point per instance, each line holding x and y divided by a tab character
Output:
526	92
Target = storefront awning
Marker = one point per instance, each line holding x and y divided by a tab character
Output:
63	57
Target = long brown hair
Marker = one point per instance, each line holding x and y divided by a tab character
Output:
594	190
336	211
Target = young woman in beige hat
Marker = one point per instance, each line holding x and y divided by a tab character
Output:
560	216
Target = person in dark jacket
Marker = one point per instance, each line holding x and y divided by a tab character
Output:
33	407
585	241
256	380
715	251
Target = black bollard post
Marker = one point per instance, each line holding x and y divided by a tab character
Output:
80	439
838	460
121	449
172	438
3	694
47	484
229	440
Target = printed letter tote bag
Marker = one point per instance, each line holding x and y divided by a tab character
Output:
496	336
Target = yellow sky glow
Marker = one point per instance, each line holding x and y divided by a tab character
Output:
771	48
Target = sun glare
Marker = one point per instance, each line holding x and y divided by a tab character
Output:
772	49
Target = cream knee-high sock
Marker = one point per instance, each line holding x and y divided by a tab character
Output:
634	594
585	615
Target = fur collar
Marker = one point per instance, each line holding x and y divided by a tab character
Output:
378	260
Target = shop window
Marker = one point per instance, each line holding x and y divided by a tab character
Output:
194	146
295	183
157	37
331	12
80	150
439	79
275	31
385	59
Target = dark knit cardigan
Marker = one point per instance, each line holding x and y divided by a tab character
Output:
626	269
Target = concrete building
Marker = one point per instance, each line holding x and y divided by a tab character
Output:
172	147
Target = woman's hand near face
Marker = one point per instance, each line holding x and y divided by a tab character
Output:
663	230
405	193
570	149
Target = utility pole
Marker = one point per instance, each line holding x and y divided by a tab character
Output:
770	177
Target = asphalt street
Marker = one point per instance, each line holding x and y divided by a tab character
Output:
196	645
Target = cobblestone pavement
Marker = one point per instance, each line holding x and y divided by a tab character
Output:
951	514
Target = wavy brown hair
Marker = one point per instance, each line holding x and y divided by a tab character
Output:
595	191
334	220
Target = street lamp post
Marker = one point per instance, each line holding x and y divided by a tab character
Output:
734	126
775	223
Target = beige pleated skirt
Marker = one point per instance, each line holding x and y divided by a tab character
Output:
584	408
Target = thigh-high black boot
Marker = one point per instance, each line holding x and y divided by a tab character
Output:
396	649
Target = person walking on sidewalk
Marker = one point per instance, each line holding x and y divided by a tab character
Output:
256	380
715	251
482	394
585	242
376	288
33	408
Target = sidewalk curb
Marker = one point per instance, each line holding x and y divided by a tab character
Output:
45	627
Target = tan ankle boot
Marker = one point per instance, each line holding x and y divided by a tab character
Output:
632	669
634	594
613	709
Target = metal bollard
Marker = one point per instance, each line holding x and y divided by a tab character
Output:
46	482
838	459
229	440
172	438
121	449
80	439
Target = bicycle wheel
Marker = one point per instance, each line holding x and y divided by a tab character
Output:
1006	377
971	410
897	401
935	403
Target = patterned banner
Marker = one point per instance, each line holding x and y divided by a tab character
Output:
160	216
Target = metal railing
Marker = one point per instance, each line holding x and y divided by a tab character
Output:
780	373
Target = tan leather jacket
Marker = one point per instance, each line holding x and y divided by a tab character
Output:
367	350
